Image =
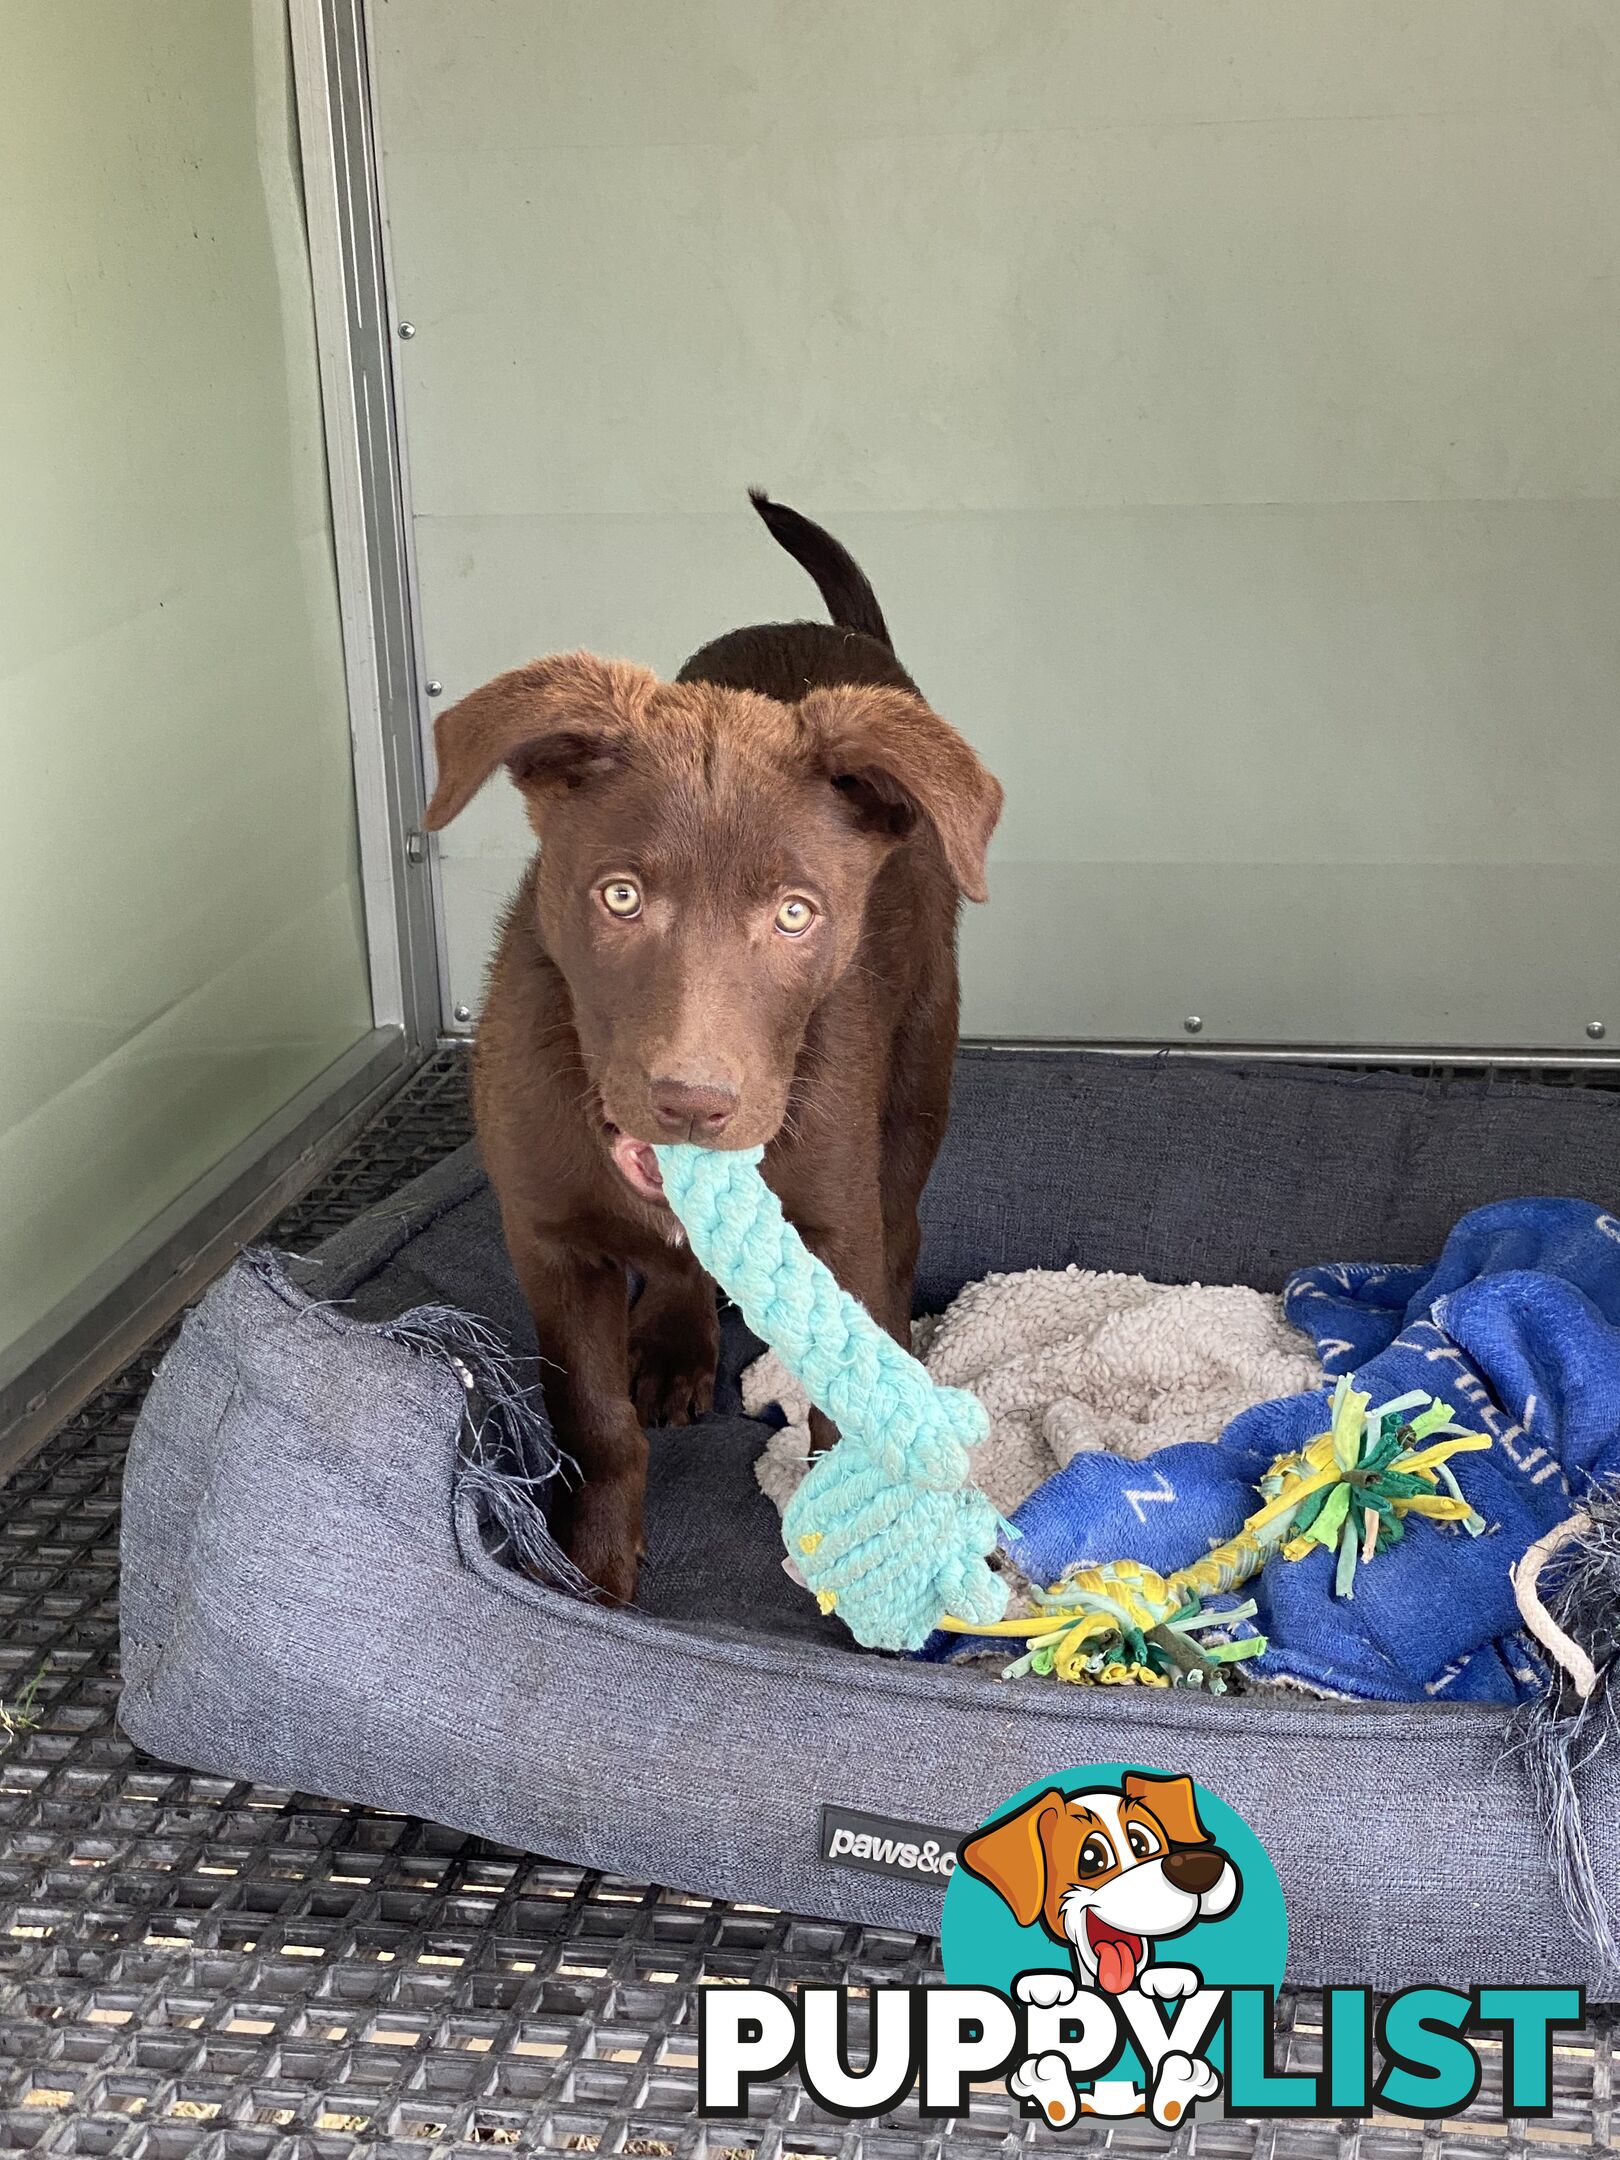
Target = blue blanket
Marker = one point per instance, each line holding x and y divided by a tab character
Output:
1517	1326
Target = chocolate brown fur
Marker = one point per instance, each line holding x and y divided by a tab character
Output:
789	759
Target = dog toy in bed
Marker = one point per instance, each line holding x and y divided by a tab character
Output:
885	1528
1349	1490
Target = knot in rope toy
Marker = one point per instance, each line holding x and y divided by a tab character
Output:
885	1528
1350	1491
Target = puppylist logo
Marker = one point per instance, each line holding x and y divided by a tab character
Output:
1113	1941
1119	1910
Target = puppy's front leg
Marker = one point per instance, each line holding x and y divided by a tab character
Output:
674	1342
580	1306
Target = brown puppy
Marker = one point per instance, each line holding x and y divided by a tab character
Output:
739	930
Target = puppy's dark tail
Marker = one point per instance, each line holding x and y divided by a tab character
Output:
851	602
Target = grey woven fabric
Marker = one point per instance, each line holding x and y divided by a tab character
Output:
311	1599
1190	1172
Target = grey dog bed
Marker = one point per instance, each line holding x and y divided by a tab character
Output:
320	1590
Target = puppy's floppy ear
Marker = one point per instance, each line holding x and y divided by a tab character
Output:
1174	1802
895	759
1010	1856
549	723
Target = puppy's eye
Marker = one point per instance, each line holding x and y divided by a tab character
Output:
620	898
795	915
1142	1842
1095	1855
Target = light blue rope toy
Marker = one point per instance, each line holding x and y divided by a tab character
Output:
885	1529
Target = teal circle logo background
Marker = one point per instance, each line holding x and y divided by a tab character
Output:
983	1946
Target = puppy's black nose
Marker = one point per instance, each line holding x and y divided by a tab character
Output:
696	1110
1195	1869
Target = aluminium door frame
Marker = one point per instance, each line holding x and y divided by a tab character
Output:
369	485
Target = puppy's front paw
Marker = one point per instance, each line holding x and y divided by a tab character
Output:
671	1382
599	1528
1045	1990
1181	2082
674	1347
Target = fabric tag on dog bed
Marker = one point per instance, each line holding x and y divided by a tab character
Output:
888	1845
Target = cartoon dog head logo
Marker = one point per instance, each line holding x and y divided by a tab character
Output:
1108	1873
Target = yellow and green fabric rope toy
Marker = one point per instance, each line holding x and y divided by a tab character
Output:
1350	1491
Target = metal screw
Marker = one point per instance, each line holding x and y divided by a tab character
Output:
407	329
463	1014
416	847
1596	1029
435	689
1193	1024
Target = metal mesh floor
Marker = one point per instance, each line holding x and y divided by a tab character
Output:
192	1969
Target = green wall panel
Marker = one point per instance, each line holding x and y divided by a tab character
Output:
181	943
1222	399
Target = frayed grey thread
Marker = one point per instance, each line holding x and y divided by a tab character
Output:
509	1455
1560	1734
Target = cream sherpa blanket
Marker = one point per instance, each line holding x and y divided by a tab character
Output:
1076	1360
